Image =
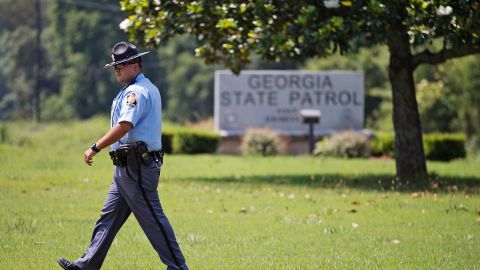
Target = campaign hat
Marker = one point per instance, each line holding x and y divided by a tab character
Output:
123	52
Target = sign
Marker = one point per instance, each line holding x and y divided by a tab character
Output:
274	98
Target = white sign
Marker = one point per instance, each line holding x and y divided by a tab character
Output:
274	98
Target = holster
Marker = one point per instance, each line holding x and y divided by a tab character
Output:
131	154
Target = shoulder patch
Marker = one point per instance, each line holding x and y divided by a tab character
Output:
131	100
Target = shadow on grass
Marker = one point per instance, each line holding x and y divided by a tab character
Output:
381	182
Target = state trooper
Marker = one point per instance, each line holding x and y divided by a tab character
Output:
135	139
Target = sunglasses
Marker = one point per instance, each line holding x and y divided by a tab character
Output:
122	65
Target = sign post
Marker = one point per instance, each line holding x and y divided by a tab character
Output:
310	117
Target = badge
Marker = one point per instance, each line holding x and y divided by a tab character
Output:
131	100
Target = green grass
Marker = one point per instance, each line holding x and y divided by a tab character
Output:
237	212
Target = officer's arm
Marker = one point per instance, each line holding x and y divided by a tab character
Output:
114	134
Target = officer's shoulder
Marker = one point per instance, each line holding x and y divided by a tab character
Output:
136	89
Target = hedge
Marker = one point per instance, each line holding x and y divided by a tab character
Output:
167	141
437	146
444	147
383	145
187	141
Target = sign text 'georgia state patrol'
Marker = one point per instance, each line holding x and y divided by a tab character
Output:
274	98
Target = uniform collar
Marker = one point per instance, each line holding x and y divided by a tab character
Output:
140	76
137	78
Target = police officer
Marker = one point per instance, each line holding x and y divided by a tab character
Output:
135	139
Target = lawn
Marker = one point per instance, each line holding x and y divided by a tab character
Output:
233	212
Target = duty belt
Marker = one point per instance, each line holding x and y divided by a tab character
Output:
132	154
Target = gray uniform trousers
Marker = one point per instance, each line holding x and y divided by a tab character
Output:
127	195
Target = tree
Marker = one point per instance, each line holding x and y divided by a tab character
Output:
186	83
20	61
462	77
52	56
81	35
438	109
449	98
229	31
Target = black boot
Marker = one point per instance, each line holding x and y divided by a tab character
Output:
65	264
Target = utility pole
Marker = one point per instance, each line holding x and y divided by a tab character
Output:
38	62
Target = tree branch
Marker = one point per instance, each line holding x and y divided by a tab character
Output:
427	57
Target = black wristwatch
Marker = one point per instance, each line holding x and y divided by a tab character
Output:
95	148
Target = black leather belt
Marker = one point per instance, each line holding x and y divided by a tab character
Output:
127	153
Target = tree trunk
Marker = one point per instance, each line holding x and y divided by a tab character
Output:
409	154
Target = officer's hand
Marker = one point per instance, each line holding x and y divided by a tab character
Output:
88	156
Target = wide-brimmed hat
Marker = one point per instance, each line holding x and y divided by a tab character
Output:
124	51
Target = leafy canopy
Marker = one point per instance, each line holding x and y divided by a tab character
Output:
229	31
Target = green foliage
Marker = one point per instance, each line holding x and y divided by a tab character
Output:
461	76
382	144
437	146
186	83
380	117
167	140
298	30
346	144
229	32
58	108
190	86
17	71
444	147
83	39
438	110
177	139
194	142
473	148
372	61
448	96
74	36
18	29
261	141
3	133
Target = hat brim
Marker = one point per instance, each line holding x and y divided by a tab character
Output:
125	60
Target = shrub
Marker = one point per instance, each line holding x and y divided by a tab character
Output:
167	141
437	146
347	144
444	147
261	141
383	145
3	133
194	142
